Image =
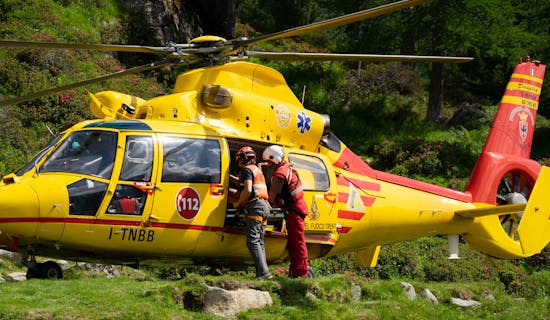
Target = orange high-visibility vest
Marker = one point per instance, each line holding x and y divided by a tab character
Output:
259	187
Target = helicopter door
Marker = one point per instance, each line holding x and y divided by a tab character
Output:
189	193
129	201
319	184
80	167
130	194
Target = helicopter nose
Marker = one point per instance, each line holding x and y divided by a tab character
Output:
19	208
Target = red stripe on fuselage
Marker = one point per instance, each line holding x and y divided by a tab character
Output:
321	238
344	229
351	162
127	223
366	185
350	215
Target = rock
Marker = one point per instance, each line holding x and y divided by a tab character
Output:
356	292
409	290
109	270
311	297
490	297
426	293
16	276
465	303
181	21
63	263
229	304
13	256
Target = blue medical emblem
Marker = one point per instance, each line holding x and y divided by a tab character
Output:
303	122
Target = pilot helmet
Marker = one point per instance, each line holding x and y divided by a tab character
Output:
274	154
245	155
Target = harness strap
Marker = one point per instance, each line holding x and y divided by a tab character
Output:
289	175
295	191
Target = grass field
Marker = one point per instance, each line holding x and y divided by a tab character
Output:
142	296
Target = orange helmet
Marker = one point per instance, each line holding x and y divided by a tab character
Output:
245	155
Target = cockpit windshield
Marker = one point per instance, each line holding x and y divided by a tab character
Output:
38	156
90	152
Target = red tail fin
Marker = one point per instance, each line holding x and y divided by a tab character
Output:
512	130
505	157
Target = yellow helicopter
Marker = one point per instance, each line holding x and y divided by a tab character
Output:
148	180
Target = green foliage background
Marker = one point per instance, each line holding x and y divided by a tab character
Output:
378	109
29	126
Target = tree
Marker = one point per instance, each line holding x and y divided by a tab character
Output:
491	31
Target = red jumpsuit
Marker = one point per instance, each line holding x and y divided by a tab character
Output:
286	191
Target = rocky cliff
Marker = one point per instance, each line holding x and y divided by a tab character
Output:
158	22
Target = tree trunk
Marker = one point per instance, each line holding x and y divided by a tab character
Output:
435	102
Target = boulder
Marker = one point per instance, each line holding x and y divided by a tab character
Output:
229	303
408	290
16	276
465	303
426	293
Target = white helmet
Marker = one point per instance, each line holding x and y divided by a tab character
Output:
274	153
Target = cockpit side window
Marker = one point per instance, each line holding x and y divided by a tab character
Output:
85	152
312	171
191	160
138	159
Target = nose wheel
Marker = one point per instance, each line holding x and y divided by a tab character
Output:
46	270
514	188
41	270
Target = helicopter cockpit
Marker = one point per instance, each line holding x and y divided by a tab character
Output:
84	152
108	171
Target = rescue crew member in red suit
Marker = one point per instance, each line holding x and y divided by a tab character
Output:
253	202
286	192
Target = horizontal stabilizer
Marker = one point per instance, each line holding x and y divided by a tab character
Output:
493	210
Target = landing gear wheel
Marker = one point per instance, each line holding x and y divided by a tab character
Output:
51	270
47	270
33	272
515	188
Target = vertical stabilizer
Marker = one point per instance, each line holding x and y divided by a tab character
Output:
505	157
514	124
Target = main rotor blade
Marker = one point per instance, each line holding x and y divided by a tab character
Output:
334	22
352	57
100	47
43	93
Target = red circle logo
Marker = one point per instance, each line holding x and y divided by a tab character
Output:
188	203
